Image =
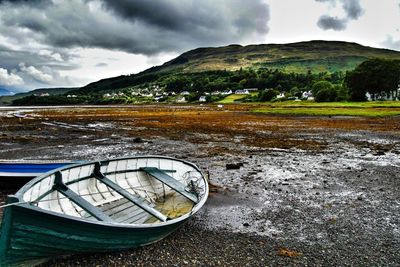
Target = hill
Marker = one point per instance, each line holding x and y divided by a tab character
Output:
317	56
7	100
314	56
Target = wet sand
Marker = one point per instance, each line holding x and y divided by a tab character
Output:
309	191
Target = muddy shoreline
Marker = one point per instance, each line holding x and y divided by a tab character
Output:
309	190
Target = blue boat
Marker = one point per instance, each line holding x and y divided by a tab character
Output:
14	174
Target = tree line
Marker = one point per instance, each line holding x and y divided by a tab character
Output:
378	77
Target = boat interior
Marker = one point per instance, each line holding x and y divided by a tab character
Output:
125	191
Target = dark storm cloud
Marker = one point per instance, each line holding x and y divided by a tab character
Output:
40	38
188	16
141	27
352	9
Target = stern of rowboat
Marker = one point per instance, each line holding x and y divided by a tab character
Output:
5	230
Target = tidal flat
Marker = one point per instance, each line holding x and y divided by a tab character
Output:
286	190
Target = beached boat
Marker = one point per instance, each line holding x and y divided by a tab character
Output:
100	206
14	174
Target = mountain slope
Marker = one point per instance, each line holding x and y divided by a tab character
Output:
315	56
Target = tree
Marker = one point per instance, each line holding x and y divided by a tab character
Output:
295	91
342	93
326	95
375	76
318	86
267	95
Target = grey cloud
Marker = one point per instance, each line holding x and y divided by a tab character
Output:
9	79
331	23
40	75
391	43
36	68
141	27
10	59
101	64
31	3
352	9
44	34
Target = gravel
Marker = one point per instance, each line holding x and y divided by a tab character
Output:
329	206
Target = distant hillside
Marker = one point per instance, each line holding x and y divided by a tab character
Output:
314	56
7	100
4	91
317	56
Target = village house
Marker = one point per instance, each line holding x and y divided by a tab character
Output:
42	94
181	100
306	94
281	95
251	90
242	92
202	98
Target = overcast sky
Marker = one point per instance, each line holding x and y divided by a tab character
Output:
50	43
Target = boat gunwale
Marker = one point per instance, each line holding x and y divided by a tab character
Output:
196	207
20	174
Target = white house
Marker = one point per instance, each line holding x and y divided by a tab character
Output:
42	94
242	92
229	92
281	95
181	100
185	93
306	94
251	89
202	98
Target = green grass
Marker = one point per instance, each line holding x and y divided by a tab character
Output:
231	99
307	108
371	104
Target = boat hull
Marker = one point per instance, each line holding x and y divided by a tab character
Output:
30	235
99	206
14	175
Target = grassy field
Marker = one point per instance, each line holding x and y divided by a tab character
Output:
308	108
232	98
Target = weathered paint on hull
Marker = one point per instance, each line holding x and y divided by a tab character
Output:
34	235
